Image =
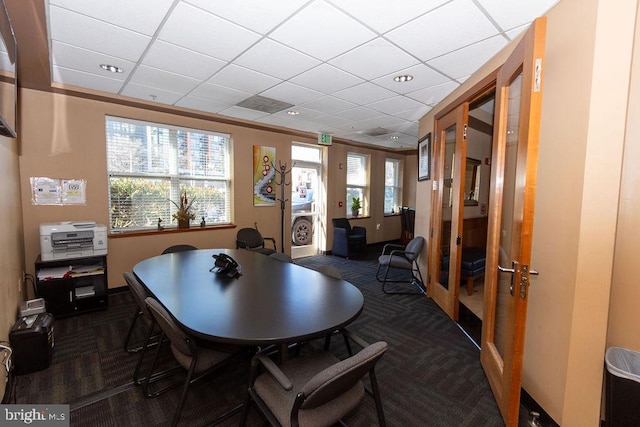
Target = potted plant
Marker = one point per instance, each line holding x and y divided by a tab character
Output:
184	214
355	207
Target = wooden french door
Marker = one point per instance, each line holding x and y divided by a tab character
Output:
513	185
450	145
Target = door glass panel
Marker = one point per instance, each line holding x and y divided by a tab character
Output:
506	226
303	204
447	203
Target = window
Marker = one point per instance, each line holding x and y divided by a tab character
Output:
392	196
150	165
357	181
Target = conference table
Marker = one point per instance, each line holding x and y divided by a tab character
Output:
272	302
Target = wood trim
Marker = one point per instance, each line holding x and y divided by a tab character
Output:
137	233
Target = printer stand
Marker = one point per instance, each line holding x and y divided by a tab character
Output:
73	285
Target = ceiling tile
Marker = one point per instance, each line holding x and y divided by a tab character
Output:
328	104
155	78
465	61
243	79
202	104
423	76
150	93
243	113
219	94
384	15
395	104
203	32
469	26
360	113
176	59
309	31
434	94
374	59
258	15
88	33
270	57
142	16
73	57
86	80
514	14
364	93
326	79
291	93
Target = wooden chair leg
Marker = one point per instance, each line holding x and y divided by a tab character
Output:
469	286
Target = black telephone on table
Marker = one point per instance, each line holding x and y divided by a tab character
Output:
226	265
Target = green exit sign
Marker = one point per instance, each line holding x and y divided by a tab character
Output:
324	139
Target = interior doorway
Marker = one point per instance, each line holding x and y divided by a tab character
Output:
305	197
476	200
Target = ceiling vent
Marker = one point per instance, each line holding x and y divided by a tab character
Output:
376	132
264	104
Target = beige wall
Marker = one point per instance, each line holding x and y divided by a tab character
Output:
586	78
64	137
624	312
11	241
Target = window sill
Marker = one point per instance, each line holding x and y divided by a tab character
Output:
391	214
359	217
149	232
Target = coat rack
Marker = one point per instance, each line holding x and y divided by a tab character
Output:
282	171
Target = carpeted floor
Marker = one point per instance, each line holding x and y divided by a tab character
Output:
430	376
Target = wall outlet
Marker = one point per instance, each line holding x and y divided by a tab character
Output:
377	226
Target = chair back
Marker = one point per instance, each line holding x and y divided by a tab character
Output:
414	247
178	248
178	338
341	223
249	238
331	271
139	293
341	377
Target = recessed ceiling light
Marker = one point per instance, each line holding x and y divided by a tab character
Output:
293	112
111	68
403	78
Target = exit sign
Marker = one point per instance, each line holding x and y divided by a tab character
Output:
324	139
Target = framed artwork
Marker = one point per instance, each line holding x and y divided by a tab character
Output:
424	157
263	176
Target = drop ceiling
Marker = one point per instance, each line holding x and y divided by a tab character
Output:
331	63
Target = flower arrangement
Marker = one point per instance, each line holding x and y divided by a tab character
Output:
184	214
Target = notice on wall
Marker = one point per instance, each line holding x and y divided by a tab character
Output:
53	191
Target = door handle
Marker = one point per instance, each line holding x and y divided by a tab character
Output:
506	270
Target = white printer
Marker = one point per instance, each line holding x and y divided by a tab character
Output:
72	239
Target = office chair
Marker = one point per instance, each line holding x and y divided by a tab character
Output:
315	389
402	258
178	248
196	360
251	239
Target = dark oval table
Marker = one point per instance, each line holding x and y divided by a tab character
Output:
272	302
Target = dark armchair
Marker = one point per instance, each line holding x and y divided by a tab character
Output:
348	240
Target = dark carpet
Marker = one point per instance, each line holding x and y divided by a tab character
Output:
430	376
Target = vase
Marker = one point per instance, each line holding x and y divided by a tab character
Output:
183	223
354	213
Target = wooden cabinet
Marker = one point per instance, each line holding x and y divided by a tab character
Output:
72	286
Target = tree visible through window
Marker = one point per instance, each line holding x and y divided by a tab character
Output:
149	165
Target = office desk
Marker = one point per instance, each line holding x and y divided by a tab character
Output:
271	303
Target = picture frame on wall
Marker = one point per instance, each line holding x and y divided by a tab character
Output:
424	157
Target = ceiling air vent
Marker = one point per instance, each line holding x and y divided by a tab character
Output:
264	104
376	132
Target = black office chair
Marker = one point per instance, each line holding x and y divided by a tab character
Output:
401	258
196	360
315	389
251	239
179	248
139	294
348	240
